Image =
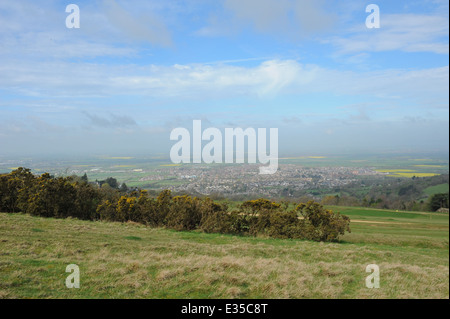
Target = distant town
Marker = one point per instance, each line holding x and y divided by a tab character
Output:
312	176
246	180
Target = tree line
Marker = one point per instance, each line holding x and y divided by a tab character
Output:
62	197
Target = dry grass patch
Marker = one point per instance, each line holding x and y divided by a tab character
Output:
168	264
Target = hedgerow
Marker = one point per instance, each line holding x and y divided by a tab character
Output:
63	197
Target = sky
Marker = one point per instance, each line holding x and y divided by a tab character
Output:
135	70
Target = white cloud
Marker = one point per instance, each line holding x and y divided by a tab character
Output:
37	30
403	32
268	79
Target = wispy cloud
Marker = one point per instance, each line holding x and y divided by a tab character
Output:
148	29
267	79
402	32
110	121
284	18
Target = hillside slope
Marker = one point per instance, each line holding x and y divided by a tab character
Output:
133	261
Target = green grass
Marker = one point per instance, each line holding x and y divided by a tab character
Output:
133	238
133	261
438	189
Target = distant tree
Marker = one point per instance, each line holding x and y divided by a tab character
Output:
112	182
349	201
84	178
331	200
109	193
365	202
123	188
438	201
409	190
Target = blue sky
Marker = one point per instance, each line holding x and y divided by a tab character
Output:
135	70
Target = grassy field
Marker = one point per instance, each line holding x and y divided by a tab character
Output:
133	261
438	189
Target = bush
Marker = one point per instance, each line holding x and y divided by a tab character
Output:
321	224
106	211
52	197
259	205
73	197
285	225
184	213
216	222
15	189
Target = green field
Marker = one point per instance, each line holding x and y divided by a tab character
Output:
438	189
133	261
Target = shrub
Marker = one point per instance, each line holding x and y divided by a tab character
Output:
106	211
15	189
258	205
86	201
284	225
126	207
216	222
184	213
52	197
73	197
322	224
